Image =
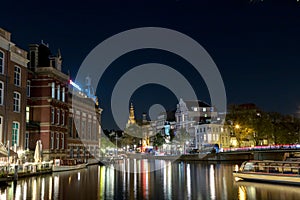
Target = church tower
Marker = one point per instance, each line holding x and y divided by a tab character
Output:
131	119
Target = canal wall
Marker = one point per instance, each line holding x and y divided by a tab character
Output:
223	156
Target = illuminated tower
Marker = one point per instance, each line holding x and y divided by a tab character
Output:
131	119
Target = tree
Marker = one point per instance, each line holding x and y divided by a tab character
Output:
159	140
248	122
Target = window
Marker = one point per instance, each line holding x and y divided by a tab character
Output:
28	88
17	76
57	140
62	117
15	134
1	62
27	113
1	92
63	94
17	100
62	141
52	140
58	92
53	90
70	126
83	126
52	116
77	125
204	109
58	115
89	130
94	133
26	140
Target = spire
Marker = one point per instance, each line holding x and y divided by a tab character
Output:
131	119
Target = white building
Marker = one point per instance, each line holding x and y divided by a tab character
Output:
210	134
202	123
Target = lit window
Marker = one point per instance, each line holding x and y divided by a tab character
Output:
57	140
17	76
53	90
1	62
52	116
204	109
62	141
1	92
17	101
15	134
27	113
63	94
58	115
58	92
52	140
28	88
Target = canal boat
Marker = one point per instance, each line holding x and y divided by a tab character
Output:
67	165
287	172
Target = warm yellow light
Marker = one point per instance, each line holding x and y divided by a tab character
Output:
237	126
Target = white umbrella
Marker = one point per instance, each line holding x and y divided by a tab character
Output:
38	152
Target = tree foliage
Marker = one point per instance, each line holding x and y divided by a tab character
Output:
254	124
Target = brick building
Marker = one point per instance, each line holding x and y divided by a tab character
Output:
47	108
13	84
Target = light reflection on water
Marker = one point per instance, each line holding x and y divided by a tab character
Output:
179	180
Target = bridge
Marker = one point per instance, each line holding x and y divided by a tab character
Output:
260	154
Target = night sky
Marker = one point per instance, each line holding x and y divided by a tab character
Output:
255	44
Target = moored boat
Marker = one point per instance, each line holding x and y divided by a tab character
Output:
287	172
67	165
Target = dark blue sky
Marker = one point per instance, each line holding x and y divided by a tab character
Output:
256	45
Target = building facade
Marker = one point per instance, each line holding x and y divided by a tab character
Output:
48	107
84	123
13	92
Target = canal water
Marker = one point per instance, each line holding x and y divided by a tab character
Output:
176	180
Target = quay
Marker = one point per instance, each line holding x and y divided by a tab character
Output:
13	172
278	155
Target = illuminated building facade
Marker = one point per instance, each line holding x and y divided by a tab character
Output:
13	77
47	107
84	122
191	116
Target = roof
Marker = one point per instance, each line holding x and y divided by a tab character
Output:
196	103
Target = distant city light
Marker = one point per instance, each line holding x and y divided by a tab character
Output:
75	85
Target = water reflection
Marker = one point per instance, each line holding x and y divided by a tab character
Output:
177	180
